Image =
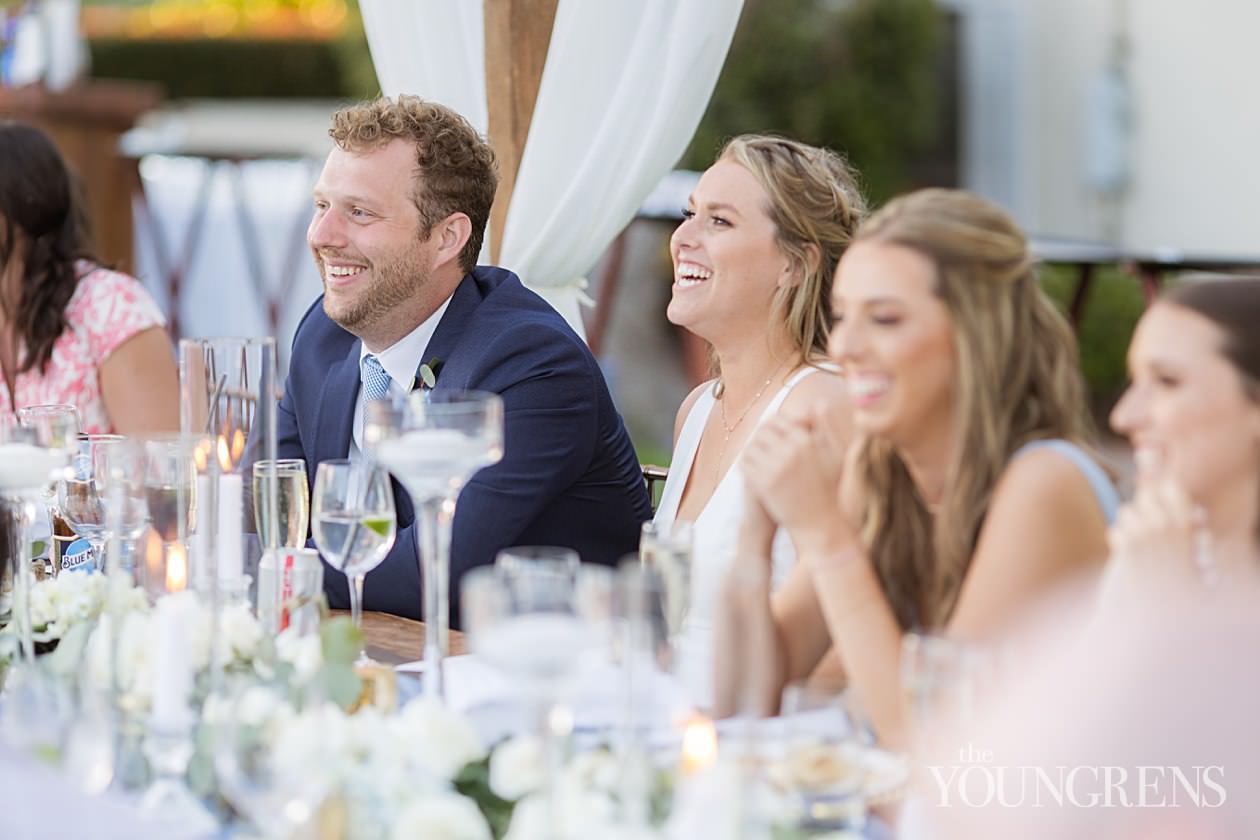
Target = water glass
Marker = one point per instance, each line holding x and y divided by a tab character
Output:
354	522
282	483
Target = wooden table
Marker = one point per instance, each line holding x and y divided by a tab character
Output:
393	640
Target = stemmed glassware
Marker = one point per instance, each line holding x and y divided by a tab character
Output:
433	444
354	522
165	476
56	426
667	549
537	622
32	711
26	467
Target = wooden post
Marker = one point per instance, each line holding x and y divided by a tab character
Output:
518	35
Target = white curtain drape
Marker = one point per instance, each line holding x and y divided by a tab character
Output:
624	86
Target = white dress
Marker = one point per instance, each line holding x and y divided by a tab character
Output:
715	534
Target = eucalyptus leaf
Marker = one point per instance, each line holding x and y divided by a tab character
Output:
340	641
342	684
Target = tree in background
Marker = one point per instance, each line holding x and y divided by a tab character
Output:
859	76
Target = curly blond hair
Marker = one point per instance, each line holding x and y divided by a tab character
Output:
456	171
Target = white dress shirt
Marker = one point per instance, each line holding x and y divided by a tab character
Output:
400	360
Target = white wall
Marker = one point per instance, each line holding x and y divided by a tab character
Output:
1193	152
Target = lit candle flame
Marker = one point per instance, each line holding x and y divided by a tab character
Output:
176	568
238	446
699	745
201	455
225	455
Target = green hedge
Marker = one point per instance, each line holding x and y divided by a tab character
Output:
231	68
1112	310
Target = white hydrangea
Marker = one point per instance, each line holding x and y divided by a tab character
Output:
518	767
303	652
579	814
443	739
59	603
441	816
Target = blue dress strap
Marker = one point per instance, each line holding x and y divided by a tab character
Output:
1104	490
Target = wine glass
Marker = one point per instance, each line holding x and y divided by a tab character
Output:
96	496
434	443
354	523
166	479
56	427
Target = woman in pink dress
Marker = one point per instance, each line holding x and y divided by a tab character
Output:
72	331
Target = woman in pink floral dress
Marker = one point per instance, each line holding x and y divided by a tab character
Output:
72	331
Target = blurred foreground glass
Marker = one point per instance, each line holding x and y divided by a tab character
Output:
667	548
823	739
942	680
355	523
255	735
56	426
561	560
229	394
25	470
433	444
537	623
282	506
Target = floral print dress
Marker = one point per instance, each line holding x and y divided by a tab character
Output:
106	310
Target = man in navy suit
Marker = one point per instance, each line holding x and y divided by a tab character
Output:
400	213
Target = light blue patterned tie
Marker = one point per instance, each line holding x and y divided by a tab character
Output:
375	379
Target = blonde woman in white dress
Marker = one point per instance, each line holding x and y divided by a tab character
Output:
753	263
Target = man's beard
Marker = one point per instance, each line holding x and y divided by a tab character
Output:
393	283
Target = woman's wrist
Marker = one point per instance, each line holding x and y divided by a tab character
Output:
826	538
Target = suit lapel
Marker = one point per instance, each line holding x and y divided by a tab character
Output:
334	418
450	329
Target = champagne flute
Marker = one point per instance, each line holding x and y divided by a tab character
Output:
292	502
354	523
667	548
56	426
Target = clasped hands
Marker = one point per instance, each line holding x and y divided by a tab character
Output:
793	469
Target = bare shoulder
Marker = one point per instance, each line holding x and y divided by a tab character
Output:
1046	484
822	390
687	404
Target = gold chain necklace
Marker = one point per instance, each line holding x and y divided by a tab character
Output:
730	429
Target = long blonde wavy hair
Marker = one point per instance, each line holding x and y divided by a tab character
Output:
1018	380
816	205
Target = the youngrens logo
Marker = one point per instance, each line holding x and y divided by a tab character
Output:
979	781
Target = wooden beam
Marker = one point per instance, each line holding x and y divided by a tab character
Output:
518	35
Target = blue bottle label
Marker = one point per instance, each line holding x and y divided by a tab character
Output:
78	557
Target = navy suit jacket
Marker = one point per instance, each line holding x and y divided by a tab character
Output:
569	475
